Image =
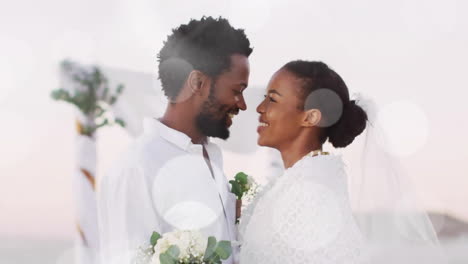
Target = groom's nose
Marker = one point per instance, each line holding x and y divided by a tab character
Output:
241	103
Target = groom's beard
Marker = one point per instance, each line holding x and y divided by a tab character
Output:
207	122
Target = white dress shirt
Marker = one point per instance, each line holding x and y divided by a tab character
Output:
163	183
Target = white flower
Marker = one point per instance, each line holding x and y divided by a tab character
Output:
143	255
250	182
252	189
199	243
183	241
190	243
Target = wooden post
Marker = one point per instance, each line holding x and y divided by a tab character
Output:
84	187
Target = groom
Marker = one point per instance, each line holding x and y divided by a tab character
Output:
172	177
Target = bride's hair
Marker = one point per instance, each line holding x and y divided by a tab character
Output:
351	119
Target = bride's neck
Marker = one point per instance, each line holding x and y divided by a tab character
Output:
296	151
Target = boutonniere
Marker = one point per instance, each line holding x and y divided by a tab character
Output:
245	188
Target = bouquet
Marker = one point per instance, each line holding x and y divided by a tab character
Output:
183	247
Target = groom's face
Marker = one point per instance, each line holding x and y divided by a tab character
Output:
225	99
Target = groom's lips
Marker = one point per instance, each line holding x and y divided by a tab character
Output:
230	115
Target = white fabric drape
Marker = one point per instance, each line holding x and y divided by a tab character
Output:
396	227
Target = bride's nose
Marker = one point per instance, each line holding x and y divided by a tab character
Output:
261	107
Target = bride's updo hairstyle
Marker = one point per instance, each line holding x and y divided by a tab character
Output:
323	89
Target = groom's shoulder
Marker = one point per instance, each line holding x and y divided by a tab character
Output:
145	152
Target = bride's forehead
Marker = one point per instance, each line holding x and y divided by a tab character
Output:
284	82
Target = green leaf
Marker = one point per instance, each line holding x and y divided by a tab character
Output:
112	100
104	94
170	256
120	122
241	178
210	248
105	122
88	131
99	111
60	95
154	238
224	249
173	251
120	88
236	189
66	64
165	258
215	260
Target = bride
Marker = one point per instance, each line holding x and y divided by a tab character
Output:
305	216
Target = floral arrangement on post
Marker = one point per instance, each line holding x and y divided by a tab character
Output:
184	247
93	97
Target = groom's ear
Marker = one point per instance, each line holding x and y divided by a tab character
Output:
312	118
196	82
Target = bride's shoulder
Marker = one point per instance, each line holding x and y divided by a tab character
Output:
318	165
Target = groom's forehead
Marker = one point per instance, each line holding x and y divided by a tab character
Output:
237	74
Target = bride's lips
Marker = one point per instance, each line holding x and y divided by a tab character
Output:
262	126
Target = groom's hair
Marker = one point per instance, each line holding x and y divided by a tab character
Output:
205	45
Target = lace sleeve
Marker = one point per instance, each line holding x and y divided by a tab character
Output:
247	212
301	221
308	216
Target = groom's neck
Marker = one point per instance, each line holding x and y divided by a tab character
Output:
181	119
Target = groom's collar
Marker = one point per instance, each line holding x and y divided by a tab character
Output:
154	126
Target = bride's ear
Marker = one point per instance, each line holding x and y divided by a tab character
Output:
311	118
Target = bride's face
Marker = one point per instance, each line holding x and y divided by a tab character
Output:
280	117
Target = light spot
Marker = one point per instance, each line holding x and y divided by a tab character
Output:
329	103
176	65
190	215
405	126
186	193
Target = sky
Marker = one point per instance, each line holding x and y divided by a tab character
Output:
410	56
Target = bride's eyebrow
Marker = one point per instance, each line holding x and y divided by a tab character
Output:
274	92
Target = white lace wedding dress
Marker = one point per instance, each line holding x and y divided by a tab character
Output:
303	216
